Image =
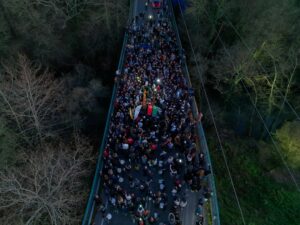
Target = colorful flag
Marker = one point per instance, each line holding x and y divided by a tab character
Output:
130	113
144	98
149	110
155	111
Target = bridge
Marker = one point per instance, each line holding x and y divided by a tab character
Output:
154	165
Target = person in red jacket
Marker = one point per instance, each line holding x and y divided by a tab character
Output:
149	110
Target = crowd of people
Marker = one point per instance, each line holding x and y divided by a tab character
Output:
151	155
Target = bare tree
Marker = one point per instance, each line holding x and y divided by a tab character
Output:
66	10
32	97
48	188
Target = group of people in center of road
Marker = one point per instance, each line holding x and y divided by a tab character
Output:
151	156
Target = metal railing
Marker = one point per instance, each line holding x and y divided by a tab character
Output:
90	207
203	143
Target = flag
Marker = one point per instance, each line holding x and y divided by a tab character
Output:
137	111
130	113
155	111
144	98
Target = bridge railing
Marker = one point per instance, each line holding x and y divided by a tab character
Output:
90	207
203	144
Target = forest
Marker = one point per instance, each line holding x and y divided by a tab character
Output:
57	65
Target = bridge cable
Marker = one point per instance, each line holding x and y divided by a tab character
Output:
213	119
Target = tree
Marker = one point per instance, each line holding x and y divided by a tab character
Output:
31	98
5	33
288	136
47	186
103	28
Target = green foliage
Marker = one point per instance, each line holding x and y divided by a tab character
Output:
263	200
255	42
4	36
288	136
57	33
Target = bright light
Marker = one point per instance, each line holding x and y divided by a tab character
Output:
158	80
150	17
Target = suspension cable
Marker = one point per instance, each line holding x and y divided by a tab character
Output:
213	118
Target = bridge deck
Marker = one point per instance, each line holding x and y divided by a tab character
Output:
152	160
